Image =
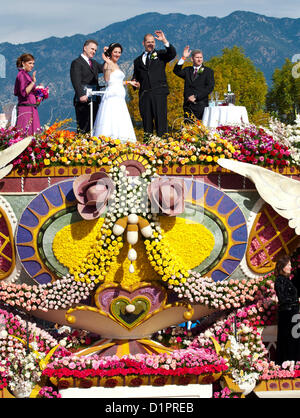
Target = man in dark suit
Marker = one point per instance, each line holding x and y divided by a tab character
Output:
198	83
84	73
150	76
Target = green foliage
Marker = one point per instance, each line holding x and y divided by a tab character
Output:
247	82
283	99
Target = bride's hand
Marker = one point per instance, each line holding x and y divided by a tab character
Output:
106	58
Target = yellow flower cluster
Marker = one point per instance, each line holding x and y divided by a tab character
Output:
176	235
87	249
143	270
73	242
95	266
162	261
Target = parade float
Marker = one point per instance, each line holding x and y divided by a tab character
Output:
133	266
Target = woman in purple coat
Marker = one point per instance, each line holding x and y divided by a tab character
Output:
27	115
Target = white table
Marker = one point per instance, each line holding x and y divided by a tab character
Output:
225	115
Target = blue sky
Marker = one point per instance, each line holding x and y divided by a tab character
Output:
32	20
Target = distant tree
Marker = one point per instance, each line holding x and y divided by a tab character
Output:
246	81
283	99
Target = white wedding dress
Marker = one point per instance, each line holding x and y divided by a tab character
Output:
113	119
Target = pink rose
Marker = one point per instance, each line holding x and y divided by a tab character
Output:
167	196
92	193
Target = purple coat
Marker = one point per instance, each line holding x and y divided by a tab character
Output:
28	117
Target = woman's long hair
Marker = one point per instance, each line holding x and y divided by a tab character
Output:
281	263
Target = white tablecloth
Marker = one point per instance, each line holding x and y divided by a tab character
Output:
225	115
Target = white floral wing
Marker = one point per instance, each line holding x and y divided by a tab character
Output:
10	153
281	192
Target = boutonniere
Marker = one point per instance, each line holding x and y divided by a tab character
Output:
200	70
154	56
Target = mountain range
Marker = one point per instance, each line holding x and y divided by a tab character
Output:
268	41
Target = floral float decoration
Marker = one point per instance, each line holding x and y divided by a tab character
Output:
129	211
114	263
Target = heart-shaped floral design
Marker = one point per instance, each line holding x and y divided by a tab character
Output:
130	313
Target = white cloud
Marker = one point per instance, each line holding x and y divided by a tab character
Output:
32	20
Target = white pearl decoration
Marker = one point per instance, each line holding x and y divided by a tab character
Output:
130	308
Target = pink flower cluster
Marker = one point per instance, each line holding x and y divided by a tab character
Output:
48	392
256	146
245	322
225	393
190	361
41	93
14	326
223	295
3	375
58	295
270	370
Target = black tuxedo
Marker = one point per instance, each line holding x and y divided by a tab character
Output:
154	89
83	75
200	86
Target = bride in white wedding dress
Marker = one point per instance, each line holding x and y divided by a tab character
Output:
113	119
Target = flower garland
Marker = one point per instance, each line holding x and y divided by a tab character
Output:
194	289
223	295
46	296
177	363
192	144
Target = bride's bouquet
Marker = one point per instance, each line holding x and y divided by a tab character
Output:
41	93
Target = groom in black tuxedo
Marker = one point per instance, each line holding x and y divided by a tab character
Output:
150	76
84	73
198	83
